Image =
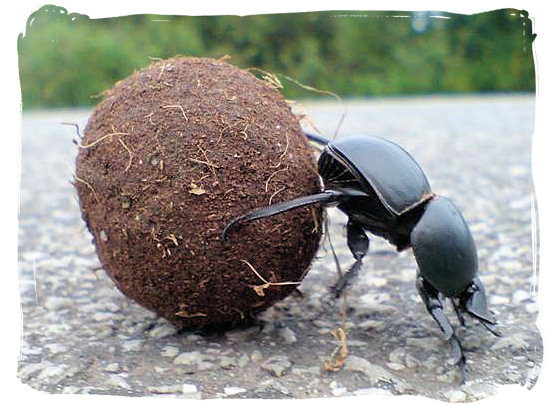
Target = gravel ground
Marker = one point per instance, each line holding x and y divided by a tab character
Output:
80	335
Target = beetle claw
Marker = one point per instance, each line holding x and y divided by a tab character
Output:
458	357
491	327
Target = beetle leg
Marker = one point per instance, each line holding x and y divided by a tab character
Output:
317	139
328	196
458	312
337	289
430	297
358	243
344	281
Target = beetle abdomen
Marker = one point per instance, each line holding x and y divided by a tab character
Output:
444	247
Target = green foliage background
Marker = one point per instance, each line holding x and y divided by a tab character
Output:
68	59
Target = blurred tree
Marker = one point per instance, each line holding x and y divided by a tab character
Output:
67	58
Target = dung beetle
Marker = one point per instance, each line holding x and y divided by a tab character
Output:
383	191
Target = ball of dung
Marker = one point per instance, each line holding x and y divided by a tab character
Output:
168	158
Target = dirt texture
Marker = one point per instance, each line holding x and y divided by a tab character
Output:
167	159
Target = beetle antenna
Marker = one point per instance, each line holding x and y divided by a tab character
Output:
76	127
340	122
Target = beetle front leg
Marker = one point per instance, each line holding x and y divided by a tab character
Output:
430	297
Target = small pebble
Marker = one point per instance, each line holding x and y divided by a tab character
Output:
205	366
281	388
133	345
277	365
102	316
162	330
52	371
119	381
376	282
189	388
339	391
169	351
233	390
193	337
397	355
395	366
370	299
520	295
166	389
57	303
71	390
56	348
113	367
531	307
498	300
256	356
410	361
514	342
455	396
188	358
288	335
226	362
403	387
243	360
481	390
372	391
370	324
373	372
427	343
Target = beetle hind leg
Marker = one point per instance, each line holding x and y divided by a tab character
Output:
430	297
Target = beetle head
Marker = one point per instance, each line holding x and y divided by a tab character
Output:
474	301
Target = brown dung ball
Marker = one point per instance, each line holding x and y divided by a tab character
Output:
168	158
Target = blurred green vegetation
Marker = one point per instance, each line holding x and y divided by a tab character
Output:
68	59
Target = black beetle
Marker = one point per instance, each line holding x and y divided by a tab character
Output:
383	190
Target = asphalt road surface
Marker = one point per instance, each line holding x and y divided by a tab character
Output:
81	335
